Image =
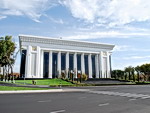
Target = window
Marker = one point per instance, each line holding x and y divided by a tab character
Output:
46	65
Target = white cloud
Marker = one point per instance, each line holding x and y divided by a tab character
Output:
2	17
110	12
30	8
105	34
126	64
122	48
136	57
100	12
57	21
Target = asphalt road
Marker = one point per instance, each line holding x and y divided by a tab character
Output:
109	99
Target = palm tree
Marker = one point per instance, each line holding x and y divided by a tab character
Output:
130	71
137	69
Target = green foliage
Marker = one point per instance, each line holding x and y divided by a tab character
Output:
133	73
8	88
84	77
130	71
117	74
145	68
45	82
7	48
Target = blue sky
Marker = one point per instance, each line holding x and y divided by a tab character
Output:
125	23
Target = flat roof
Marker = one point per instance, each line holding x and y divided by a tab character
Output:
22	35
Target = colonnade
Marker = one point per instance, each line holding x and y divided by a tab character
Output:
102	67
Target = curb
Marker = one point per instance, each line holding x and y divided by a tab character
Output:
43	91
30	91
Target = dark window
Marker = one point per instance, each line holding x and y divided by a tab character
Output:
86	64
93	66
63	61
78	62
71	62
46	65
54	75
23	62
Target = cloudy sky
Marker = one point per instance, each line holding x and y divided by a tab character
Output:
125	23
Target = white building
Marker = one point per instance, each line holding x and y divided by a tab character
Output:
44	57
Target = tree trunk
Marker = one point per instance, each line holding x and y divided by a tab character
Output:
138	77
3	73
133	77
129	76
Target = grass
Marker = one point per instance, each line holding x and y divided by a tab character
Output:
45	82
8	88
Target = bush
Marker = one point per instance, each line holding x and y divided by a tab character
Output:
84	77
1	77
63	75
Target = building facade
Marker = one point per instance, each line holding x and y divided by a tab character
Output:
43	57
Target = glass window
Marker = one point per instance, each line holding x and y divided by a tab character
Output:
46	65
63	61
93	66
54	75
86	64
71	62
23	62
78	62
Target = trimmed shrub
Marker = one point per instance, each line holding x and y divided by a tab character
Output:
84	77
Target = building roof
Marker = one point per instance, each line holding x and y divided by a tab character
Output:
48	41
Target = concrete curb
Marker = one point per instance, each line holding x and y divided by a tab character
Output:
43	91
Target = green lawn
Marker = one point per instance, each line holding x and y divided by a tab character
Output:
7	88
45	82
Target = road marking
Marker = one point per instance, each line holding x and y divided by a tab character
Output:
60	111
105	104
132	99
130	95
44	101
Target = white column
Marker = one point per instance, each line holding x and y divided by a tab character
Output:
82	64
59	63
90	65
28	63
38	63
101	64
108	66
50	64
41	68
96	66
75	64
67	63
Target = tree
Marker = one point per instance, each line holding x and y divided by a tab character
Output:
137	69
145	68
130	71
7	49
118	74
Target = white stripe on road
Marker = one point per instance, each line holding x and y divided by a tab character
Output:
131	99
130	95
103	104
44	101
60	111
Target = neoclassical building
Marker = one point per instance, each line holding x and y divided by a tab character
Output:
45	57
